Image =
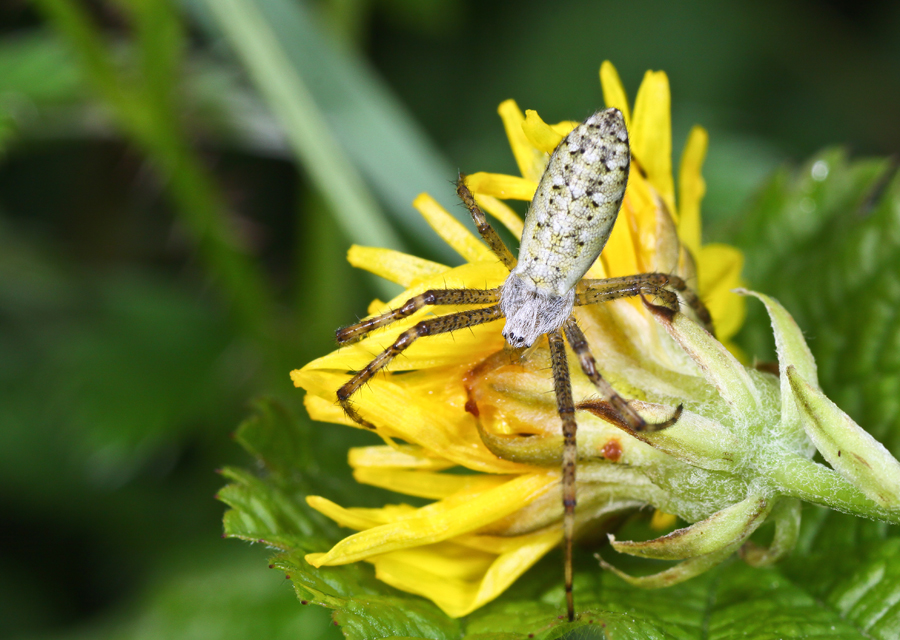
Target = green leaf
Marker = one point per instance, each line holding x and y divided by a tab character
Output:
825	241
262	512
759	603
867	596
365	607
276	438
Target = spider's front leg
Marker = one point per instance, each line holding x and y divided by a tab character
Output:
661	285
487	232
623	410
360	330
430	327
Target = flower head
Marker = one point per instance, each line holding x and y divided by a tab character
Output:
739	454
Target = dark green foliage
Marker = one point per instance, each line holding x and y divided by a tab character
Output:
829	250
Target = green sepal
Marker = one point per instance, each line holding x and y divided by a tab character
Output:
701	538
853	453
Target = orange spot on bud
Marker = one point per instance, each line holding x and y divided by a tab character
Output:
612	450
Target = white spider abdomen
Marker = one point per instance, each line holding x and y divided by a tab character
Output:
567	225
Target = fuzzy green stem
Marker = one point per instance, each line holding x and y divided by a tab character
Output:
799	477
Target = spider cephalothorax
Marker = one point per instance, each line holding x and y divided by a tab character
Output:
568	224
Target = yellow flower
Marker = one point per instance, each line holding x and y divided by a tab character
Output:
485	529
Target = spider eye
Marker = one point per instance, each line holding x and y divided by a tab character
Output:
513	339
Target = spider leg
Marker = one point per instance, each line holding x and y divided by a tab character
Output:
360	330
657	284
565	405
634	422
429	327
484	228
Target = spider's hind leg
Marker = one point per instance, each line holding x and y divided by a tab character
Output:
623	410
565	405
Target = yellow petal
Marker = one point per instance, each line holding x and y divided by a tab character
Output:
442	523
662	520
613	92
651	134
691	189
618	257
502	212
401	456
623	254
438	424
718	272
451	230
323	410
446	349
495	544
447	567
531	161
565	127
461	580
395	266
473	275
422	484
539	133
360	519
435	350
501	185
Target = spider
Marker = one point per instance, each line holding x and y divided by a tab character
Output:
566	227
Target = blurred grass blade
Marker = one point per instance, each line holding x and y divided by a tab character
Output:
348	99
146	111
307	131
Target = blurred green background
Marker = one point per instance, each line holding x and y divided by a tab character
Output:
179	182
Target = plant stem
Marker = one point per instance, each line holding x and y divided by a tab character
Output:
802	478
